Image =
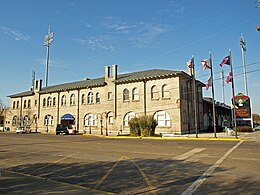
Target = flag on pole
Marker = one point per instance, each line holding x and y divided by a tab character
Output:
190	63
243	43
209	83
226	61
229	77
206	64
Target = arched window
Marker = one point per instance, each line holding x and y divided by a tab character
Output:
48	120
15	121
63	100
125	95
72	99
162	118
97	98
110	118
135	94
90	120
83	99
29	103
49	100
17	105
54	101
165	91
90	98
24	103
128	117
14	105
154	92
44	102
26	120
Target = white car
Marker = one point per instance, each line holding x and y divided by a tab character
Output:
21	130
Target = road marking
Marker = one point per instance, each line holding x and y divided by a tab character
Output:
54	162
108	173
193	187
153	190
24	154
57	182
188	154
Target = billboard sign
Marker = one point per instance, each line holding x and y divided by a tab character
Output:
242	105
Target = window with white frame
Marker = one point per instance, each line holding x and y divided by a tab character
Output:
162	118
48	120
49	101
63	100
128	117
90	120
90	98
110	118
109	96
165	91
154	92
73	99
135	94
125	95
97	98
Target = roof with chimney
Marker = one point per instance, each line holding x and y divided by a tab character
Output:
99	82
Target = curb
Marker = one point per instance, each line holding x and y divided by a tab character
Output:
168	138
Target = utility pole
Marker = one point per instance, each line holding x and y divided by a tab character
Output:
47	42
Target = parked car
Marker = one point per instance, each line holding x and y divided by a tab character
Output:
22	130
61	129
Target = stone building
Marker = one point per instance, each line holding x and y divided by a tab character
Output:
223	113
105	105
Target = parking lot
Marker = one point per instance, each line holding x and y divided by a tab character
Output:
44	164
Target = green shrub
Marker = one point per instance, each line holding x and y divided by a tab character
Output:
134	127
143	126
147	125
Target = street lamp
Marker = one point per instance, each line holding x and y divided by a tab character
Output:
47	42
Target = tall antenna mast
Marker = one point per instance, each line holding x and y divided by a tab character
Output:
47	42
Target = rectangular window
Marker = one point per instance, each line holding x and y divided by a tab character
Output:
109	96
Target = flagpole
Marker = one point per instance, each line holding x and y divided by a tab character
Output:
223	86
233	95
195	99
213	98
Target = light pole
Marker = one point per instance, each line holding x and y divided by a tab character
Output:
47	42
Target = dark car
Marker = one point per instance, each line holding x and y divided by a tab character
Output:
62	129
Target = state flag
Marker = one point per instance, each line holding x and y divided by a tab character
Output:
206	64
226	61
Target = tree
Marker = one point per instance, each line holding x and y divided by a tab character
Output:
256	118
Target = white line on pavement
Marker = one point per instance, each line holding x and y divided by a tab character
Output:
193	187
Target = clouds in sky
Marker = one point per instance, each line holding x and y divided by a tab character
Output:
115	33
14	34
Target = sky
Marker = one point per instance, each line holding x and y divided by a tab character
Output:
134	34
